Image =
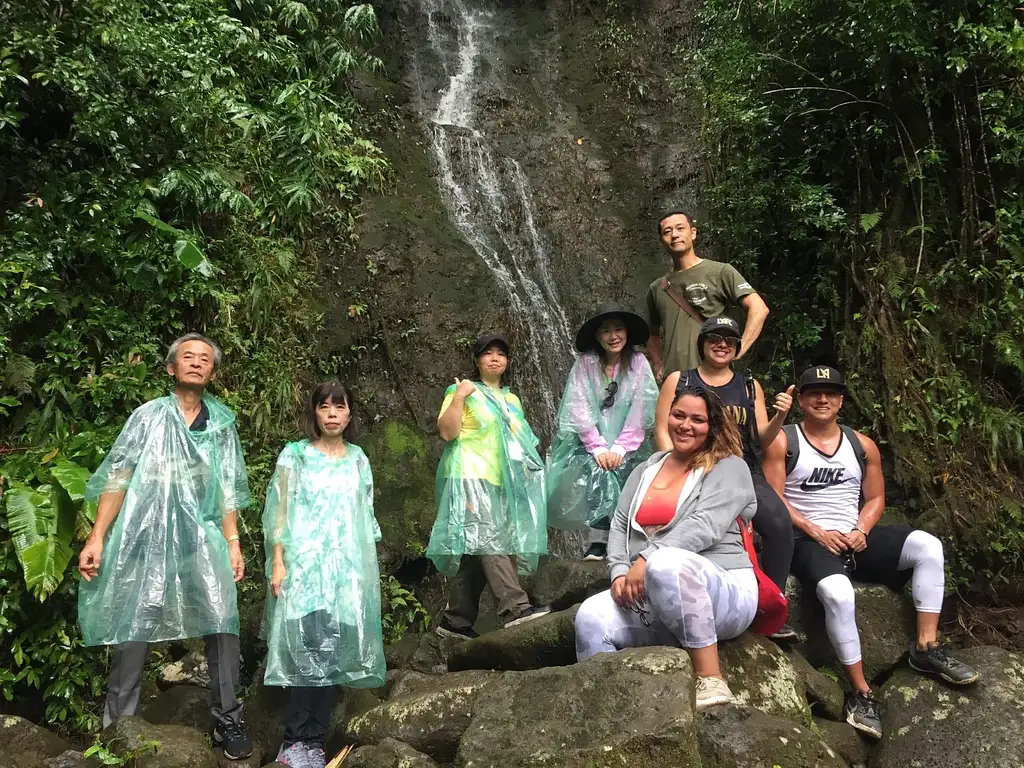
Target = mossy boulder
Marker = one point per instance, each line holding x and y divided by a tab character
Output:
761	675
634	707
549	641
929	723
425	652
886	621
846	741
161	746
403	474
824	694
430	717
23	744
562	583
180	705
740	737
388	754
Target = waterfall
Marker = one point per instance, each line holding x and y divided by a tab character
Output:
488	196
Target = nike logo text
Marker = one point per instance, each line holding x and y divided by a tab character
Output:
823	477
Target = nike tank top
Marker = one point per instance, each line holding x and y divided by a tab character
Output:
826	489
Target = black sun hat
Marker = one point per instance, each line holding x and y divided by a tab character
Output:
637	331
487	340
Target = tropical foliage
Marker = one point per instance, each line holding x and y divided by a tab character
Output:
867	154
164	167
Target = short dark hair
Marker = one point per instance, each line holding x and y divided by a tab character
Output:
336	393
675	212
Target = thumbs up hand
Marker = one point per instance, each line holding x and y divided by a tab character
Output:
784	400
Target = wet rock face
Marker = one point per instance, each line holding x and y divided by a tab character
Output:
549	641
930	723
24	744
610	710
735	737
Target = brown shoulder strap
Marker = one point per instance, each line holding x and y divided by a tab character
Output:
679	299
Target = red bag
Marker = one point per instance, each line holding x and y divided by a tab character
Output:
772	605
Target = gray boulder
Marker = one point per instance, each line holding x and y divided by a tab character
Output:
425	652
846	741
69	759
190	669
824	694
629	708
760	675
23	744
549	641
564	583
388	754
740	737
886	621
929	723
161	746
180	705
430	717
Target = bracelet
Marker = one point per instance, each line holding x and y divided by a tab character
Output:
236	537
858	528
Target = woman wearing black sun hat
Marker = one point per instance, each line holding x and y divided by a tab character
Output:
604	424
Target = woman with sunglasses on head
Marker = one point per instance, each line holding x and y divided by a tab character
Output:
679	571
604	424
718	344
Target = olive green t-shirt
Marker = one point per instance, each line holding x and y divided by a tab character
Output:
710	286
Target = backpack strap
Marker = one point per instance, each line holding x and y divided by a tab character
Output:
792	447
683	383
676	296
752	434
858	448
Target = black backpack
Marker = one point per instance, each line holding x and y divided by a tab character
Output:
793	447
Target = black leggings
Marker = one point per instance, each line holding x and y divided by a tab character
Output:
773	523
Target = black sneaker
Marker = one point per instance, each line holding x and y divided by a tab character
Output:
785	633
864	713
596	552
234	738
529	614
445	629
935	661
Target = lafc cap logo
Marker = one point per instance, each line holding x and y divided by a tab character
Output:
824	373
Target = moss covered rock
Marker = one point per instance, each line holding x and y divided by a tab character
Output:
562	583
740	737
181	705
846	741
886	621
403	474
388	754
761	675
929	723
431	717
824	694
549	641
629	708
425	652
161	746
23	744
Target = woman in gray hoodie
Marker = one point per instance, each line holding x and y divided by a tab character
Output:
680	575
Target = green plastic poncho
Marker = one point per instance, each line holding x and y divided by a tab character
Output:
325	628
489	488
165	573
579	492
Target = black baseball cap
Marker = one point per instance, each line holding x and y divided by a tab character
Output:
489	340
722	325
821	376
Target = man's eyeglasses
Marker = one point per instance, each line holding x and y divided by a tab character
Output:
609	392
715	339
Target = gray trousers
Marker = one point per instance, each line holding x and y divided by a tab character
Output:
476	572
125	686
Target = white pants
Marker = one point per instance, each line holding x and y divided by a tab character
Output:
690	602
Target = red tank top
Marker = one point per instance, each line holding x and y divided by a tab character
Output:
658	510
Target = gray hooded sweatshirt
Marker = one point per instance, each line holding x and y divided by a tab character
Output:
705	521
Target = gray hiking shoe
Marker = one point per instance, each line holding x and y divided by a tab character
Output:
935	661
864	713
317	757
529	614
295	756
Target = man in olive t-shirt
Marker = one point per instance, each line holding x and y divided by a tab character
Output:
709	287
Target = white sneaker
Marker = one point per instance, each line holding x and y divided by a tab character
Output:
529	615
712	692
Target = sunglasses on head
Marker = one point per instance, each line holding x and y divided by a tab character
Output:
716	338
609	392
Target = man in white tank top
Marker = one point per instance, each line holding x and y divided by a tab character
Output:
830	478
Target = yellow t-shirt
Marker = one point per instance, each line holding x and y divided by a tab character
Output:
480	449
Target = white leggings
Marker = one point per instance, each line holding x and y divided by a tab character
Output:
690	602
923	553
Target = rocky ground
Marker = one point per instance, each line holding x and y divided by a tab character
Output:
516	698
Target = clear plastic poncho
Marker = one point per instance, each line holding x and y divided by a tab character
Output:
489	488
325	628
579	492
165	573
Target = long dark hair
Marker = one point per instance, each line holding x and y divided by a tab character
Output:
625	357
723	436
336	393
